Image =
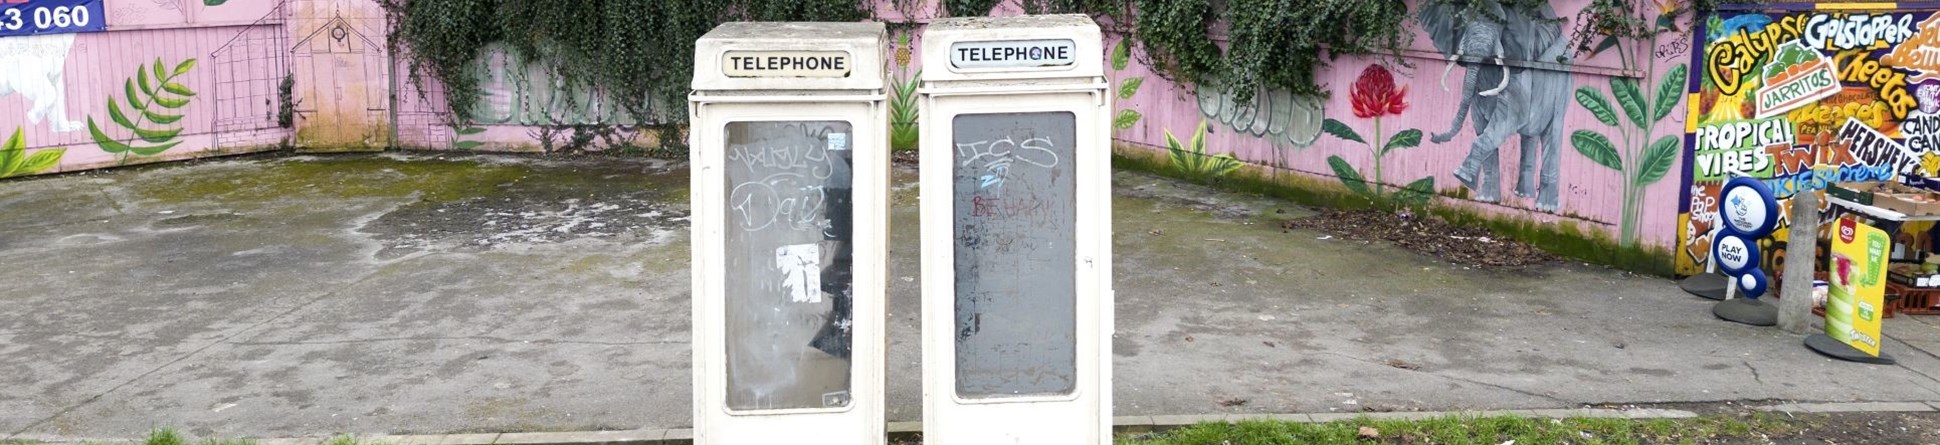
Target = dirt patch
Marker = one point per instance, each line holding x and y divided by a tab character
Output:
1863	428
905	157
1427	234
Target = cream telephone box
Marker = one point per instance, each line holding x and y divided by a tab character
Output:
790	225
1016	232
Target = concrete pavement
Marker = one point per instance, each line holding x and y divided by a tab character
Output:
407	294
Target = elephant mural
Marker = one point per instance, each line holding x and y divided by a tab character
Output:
1506	101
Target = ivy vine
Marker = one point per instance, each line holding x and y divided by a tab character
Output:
973	8
637	53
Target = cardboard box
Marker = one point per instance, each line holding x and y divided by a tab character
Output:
1858	192
1910	204
1890	196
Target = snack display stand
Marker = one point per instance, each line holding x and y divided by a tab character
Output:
1910	290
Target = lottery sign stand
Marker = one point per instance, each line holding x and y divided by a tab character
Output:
1749	213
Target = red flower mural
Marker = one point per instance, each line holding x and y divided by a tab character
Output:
1375	94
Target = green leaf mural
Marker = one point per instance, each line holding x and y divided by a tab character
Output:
1190	159
1593	101
1630	98
1598	148
157	100
1121	58
1126	118
1130	87
903	112
14	160
1669	92
1657	160
1121	55
214	2
1416	194
1638	165
1409	138
458	134
14	153
1348	176
1340	130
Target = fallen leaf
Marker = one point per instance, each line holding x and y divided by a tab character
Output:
1269	344
1368	432
1229	403
1397	363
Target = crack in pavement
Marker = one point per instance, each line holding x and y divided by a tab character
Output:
190	354
1902	364
468	337
1450	377
1754	372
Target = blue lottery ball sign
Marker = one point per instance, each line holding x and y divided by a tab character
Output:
1736	254
1748	208
31	17
1753	283
1749	212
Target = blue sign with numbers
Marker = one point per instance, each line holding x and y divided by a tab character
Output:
31	17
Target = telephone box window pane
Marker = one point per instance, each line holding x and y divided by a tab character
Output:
1015	218
788	259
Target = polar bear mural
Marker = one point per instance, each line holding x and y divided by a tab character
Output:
35	66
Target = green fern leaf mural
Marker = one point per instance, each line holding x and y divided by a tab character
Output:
156	97
14	160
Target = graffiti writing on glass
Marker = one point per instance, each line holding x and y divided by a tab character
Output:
794	196
996	157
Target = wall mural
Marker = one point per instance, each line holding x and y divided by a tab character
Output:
1121	58
14	160
1190	159
1374	96
122	70
36	68
1804	99
1522	76
1506	101
154	111
1586	121
904	112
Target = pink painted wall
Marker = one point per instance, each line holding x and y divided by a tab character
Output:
210	99
1588	193
342	73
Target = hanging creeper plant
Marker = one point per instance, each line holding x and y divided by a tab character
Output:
1375	96
153	108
